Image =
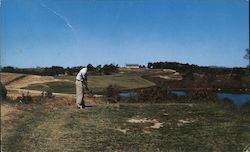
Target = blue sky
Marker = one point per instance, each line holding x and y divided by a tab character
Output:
78	32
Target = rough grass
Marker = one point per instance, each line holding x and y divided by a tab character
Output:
186	127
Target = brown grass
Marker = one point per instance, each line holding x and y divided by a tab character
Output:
7	77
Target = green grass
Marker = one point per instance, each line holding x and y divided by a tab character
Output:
123	81
212	128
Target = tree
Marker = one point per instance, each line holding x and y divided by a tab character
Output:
8	69
3	91
109	69
150	65
90	67
57	70
247	56
99	69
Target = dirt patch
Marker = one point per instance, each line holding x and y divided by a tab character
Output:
156	123
183	122
169	74
122	130
175	76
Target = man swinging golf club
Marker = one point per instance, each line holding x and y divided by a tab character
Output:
81	81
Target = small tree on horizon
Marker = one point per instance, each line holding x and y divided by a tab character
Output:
91	67
247	56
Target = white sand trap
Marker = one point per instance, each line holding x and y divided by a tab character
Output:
165	77
182	122
156	123
122	130
165	114
146	131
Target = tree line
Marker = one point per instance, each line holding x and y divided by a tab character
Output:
106	69
189	69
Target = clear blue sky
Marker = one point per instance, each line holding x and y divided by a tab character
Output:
78	32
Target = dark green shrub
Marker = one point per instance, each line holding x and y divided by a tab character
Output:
246	106
49	93
155	94
202	95
227	101
112	93
3	92
24	98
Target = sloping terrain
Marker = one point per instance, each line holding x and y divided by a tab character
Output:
7	78
30	79
124	127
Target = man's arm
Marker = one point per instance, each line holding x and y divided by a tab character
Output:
85	83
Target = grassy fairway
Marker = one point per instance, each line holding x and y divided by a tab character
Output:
96	83
184	127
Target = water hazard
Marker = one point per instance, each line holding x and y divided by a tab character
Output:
237	98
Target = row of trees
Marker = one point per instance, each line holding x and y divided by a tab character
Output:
106	69
247	56
171	65
181	67
188	70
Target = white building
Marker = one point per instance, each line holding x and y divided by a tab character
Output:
132	66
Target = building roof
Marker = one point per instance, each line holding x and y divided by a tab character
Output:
132	65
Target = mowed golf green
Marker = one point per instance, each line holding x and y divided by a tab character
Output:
126	127
123	81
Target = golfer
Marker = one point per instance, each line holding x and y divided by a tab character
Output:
81	81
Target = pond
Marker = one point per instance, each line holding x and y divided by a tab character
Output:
178	93
127	94
172	93
237	98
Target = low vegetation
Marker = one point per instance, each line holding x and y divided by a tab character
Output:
3	91
124	127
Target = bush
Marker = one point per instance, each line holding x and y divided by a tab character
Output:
156	94
109	69
3	91
112	93
202	95
47	93
24	98
229	104
227	101
246	106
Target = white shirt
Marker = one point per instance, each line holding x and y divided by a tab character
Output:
82	74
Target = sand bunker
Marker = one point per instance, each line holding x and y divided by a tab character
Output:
170	77
122	130
31	79
156	123
182	122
